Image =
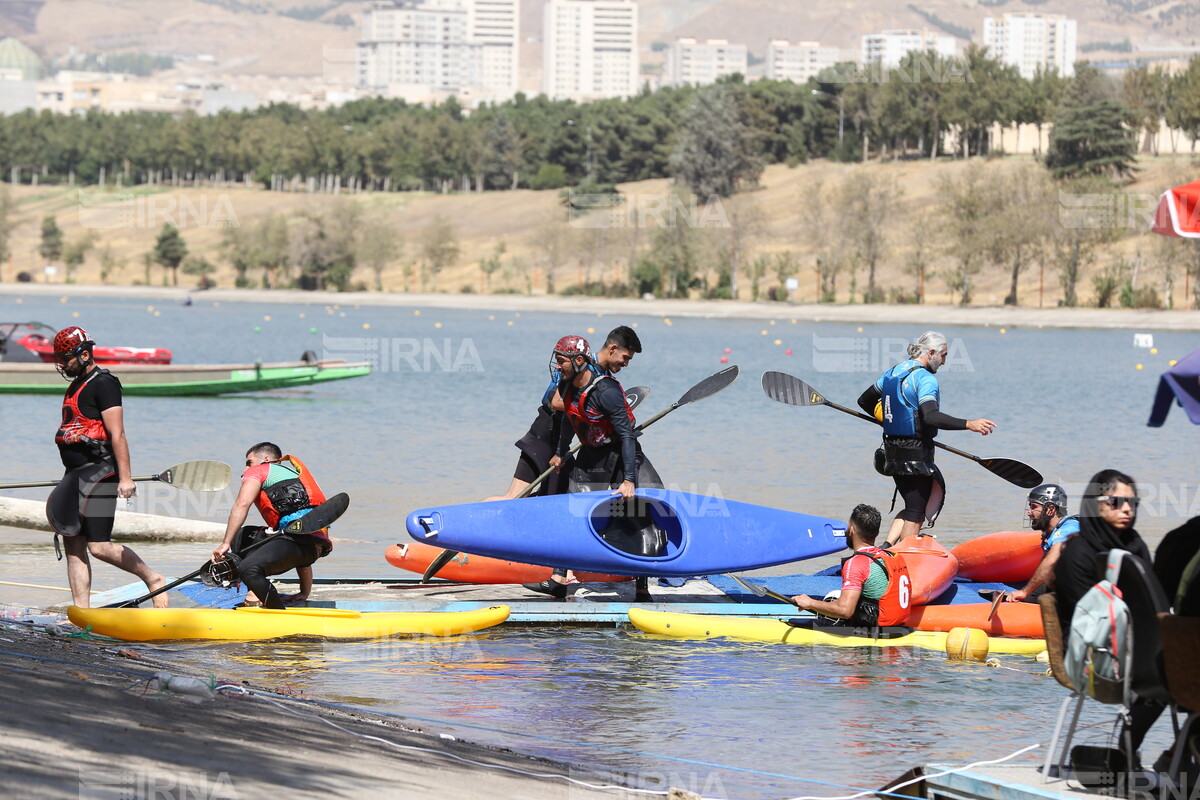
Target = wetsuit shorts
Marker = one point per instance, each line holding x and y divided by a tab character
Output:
915	490
276	555
85	502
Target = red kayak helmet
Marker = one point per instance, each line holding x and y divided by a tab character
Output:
69	341
570	346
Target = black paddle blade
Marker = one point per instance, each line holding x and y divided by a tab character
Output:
761	591
710	385
635	396
784	388
320	517
1013	471
442	559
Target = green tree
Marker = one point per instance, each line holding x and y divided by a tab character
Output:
439	248
491	264
6	224
75	252
378	246
1144	92
717	152
51	247
1183	102
863	208
968	215
169	250
199	265
1092	133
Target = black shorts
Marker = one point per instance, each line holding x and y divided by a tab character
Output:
85	502
923	496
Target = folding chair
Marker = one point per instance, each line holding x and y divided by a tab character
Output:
1181	654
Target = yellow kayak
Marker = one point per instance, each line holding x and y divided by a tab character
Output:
757	629
247	624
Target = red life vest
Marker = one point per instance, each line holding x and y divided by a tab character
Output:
592	427
76	428
290	495
897	598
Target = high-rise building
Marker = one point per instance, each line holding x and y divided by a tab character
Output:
886	49
590	49
441	47
800	61
1028	41
701	63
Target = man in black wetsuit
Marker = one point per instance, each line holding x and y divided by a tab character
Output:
537	445
610	458
91	442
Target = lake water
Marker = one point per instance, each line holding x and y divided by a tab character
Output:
436	425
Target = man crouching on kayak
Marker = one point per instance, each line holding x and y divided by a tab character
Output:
284	491
876	589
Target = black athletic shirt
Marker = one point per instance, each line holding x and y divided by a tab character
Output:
609	400
100	394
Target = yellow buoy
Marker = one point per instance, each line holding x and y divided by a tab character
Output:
1170	363
366	326
1003	331
416	312
966	644
591	330
764	333
1139	366
437	324
779	341
860	329
1153	351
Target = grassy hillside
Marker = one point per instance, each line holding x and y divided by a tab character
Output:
535	233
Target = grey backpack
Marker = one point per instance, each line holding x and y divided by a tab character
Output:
1100	643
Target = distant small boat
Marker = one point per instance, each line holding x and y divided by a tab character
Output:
149	380
38	338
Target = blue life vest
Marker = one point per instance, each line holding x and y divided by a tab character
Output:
900	418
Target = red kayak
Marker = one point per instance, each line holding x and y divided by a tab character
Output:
1011	619
931	567
38	338
415	557
1005	557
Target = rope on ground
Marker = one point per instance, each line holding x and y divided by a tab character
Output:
893	789
231	689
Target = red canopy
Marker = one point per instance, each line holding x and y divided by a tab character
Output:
1178	212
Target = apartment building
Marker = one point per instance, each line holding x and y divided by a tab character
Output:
696	63
590	49
800	61
423	49
1031	41
887	48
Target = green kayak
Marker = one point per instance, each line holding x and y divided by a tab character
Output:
185	380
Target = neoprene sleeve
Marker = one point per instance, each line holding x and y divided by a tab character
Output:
936	419
868	399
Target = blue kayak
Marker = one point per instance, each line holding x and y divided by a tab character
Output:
660	533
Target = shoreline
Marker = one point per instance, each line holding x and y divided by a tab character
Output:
79	720
917	316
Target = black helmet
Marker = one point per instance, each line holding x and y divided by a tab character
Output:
1050	494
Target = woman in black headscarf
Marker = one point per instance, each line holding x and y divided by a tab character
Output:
1106	521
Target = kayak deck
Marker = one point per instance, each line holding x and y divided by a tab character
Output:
251	624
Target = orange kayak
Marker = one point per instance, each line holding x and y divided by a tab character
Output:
930	566
416	557
1011	619
1005	557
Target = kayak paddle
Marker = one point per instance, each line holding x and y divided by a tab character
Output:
320	517
784	388
762	591
192	476
633	397
705	388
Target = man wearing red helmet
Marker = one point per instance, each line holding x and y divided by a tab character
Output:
91	442
596	411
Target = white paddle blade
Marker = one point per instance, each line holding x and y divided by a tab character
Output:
198	476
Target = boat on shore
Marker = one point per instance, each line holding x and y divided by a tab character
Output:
38	338
148	380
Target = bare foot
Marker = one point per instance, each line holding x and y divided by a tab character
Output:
157	582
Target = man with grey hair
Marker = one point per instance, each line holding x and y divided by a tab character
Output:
906	399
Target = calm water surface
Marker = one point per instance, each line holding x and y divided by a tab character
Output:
779	721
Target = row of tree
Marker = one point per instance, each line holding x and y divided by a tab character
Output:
928	104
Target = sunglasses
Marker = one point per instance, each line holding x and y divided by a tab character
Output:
1116	502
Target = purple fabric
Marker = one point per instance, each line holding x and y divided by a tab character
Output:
1181	383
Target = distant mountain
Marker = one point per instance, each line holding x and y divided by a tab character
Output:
309	37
